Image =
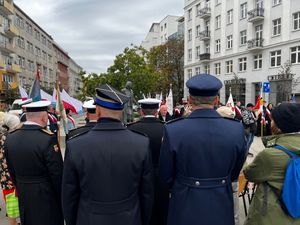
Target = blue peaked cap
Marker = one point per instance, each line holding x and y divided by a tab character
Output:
204	85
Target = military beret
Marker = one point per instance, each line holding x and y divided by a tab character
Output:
204	85
149	103
110	98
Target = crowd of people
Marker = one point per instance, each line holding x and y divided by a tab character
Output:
159	170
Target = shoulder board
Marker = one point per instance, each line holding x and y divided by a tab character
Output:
232	119
175	120
141	133
47	131
132	123
77	135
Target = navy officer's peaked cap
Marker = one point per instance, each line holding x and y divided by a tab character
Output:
204	85
110	98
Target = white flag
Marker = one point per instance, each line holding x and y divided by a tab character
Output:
22	92
169	102
230	103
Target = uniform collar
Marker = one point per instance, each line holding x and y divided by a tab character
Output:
149	119
109	124
204	113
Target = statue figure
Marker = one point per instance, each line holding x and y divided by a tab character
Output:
128	108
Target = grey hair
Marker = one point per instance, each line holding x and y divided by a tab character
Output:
11	121
202	100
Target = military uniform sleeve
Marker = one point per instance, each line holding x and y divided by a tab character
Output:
166	160
70	189
241	156
260	169
54	163
147	189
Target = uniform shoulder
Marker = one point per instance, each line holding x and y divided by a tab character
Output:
139	133
133	123
78	132
46	131
16	129
175	120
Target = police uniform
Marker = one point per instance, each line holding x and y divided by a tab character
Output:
35	164
91	109
153	128
200	156
112	183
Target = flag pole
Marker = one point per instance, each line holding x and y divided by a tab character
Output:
261	120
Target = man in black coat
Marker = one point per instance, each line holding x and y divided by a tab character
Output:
35	165
112	182
91	120
153	128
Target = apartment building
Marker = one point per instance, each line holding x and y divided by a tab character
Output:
75	82
62	58
33	51
244	43
160	32
9	68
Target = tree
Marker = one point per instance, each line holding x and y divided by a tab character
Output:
167	60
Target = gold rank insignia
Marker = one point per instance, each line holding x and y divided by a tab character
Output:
56	148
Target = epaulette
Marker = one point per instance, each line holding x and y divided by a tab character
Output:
47	131
175	120
141	133
129	124
77	135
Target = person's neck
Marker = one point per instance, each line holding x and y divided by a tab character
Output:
194	107
34	122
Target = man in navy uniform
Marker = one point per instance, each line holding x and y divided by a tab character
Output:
153	128
200	156
112	182
91	119
35	165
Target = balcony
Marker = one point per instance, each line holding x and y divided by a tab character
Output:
13	68
256	14
255	44
204	35
7	47
205	57
204	13
11	30
6	7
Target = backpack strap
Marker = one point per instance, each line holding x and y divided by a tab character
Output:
291	154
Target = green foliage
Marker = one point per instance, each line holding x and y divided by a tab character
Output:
150	72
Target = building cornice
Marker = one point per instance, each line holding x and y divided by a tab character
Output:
190	4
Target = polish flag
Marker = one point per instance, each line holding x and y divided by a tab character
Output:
69	103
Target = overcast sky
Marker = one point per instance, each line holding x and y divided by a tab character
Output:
93	32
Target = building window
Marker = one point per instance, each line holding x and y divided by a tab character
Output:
190	14
229	66
190	54
161	28
198	30
197	70
218	2
242	64
229	42
295	55
244	10
218	45
190	73
277	27
198	52
257	61
276	2
207	69
243	35
296	18
275	58
218	22
165	25
229	16
198	9
189	34
217	68
207	48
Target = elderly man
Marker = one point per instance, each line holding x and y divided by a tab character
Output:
112	181
163	114
35	165
200	156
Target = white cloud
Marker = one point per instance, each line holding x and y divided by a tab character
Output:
93	32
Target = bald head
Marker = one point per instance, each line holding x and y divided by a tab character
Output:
163	110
